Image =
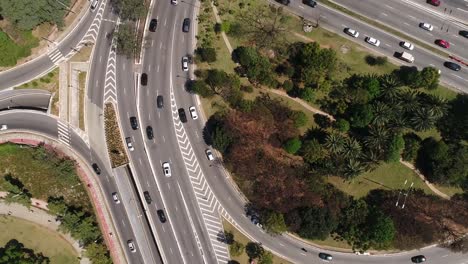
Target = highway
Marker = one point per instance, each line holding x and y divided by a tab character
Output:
126	219
25	98
85	31
199	192
405	16
336	22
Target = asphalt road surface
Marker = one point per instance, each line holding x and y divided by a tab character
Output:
25	98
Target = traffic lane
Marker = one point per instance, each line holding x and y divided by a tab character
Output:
97	71
455	9
46	125
40	65
406	18
127	108
25	98
336	22
143	239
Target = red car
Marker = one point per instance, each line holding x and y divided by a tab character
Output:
434	2
443	43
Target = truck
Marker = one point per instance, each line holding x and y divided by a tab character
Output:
406	57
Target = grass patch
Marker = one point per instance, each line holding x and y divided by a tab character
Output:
115	147
81	93
388	176
45	175
15	45
449	190
83	55
239	237
37	238
331	243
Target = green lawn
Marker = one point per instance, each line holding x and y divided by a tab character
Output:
37	238
239	237
388	176
41	177
12	50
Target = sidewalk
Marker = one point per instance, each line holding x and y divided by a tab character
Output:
75	68
42	218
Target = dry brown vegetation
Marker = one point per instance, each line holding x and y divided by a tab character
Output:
115	146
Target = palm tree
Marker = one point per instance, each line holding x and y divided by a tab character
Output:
423	119
409	100
390	87
435	104
382	114
377	139
371	160
351	148
334	143
353	168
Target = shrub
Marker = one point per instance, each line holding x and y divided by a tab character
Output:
307	94
341	125
299	118
207	54
287	85
236	249
246	88
226	26
293	145
217	28
34	83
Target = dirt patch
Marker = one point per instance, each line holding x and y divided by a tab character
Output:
115	146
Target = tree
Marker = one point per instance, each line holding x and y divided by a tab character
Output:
98	253
26	14
129	9
351	148
228	237
236	249
264	26
317	223
307	94
299	118
207	54
377	139
423	119
201	88
125	38
454	125
360	115
274	222
380	229
341	125
429	78
221	139
257	67
351	220
57	205
313	65
254	250
412	144
312	151
292	145
322	121
14	252
395	147
16	191
266	258
334	142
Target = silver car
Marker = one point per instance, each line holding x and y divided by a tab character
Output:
426	26
353	33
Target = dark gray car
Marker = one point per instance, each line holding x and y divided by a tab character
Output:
186	25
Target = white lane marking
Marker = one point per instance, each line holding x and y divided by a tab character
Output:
152	43
301	7
452	44
389	6
141	162
168	186
100	58
412	17
165	21
463	10
323	16
157	70
388	45
147	183
343	25
123	66
171	251
160	45
406	23
281	244
164	139
431	65
430	34
149	116
384	14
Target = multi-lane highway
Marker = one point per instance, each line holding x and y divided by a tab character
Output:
198	193
405	16
335	21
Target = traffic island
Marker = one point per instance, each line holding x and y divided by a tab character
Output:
115	147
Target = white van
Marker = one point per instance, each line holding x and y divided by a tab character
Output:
406	57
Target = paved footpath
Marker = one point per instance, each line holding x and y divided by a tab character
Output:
42	218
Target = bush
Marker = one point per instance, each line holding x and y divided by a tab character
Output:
235	30
207	54
246	88
341	125
307	94
236	249
299	118
322	121
51	74
288	85
217	28
34	83
226	26
293	145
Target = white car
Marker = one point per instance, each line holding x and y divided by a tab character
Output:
373	41
115	197
185	63
129	144
193	112
209	154
351	32
94	4
167	169
3	127
174	2
131	246
406	45
426	26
